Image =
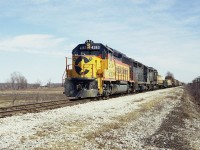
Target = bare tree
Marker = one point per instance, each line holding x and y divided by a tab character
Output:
6	85
194	89
18	81
169	75
37	84
49	83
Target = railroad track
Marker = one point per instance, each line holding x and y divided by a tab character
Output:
37	107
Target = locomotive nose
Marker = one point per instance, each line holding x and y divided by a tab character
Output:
82	65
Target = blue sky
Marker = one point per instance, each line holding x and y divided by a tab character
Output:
37	35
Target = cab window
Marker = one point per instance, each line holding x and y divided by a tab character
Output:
90	52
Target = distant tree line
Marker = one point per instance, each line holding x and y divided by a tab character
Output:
169	76
17	82
194	89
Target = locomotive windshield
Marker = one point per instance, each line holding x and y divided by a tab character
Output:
90	52
86	52
94	49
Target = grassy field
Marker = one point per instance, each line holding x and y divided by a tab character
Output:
17	97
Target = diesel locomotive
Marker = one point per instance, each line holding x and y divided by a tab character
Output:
98	70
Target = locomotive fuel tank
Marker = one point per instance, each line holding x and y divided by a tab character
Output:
116	89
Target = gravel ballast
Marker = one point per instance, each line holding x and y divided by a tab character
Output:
118	123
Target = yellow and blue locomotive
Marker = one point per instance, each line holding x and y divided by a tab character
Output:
98	70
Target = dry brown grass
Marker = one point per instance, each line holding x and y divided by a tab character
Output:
68	145
22	139
42	133
191	108
180	128
17	97
123	120
120	122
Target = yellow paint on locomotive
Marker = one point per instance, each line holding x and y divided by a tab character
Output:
109	71
87	70
116	71
94	68
169	82
160	80
101	69
122	72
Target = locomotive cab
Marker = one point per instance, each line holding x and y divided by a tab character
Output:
84	78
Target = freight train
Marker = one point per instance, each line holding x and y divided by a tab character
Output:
100	71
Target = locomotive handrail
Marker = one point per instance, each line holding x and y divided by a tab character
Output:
63	77
67	70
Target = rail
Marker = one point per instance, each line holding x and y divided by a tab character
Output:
36	107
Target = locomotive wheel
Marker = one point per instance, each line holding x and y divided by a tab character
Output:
105	97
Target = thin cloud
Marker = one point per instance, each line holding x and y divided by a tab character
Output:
150	31
35	43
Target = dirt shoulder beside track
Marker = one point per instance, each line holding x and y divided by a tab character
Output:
163	119
180	129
